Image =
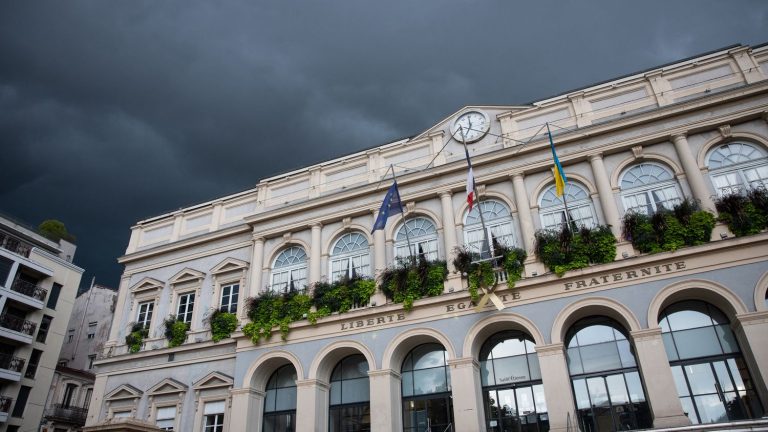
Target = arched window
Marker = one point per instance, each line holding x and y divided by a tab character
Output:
289	271
710	374
607	387
512	389
552	207
498	223
647	187
426	386
280	401
737	166
423	236
350	396
350	257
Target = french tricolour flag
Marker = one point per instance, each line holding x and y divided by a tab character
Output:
470	182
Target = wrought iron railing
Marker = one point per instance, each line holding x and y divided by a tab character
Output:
17	324
15	245
29	289
67	414
11	362
5	403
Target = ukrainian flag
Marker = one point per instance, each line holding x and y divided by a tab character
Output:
560	179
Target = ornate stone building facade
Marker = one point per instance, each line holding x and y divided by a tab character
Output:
646	340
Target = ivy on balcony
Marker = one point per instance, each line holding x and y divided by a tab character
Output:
409	280
175	331
744	214
668	230
484	272
270	310
135	338
341	296
571	249
222	324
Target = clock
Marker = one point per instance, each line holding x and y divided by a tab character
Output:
475	125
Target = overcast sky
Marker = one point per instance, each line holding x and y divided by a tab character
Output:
112	112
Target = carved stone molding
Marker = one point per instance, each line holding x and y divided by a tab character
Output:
637	151
725	131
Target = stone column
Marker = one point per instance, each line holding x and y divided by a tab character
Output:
657	375
692	172
247	410
386	407
557	386
117	321
604	190
751	330
449	228
97	400
379	248
524	213
467	399
312	405
315	254
257	262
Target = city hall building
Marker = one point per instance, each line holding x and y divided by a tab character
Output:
647	340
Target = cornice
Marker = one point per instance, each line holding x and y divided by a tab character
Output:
646	334
181	244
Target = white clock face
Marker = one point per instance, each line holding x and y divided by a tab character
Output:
474	124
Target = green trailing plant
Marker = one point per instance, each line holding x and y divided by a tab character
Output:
222	324
270	310
408	281
484	273
175	331
669	230
342	295
136	337
569	249
744	214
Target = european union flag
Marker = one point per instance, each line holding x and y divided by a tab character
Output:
391	202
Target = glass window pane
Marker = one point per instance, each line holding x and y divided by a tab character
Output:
533	365
682	386
538	396
598	394
698	342
688	315
736	373
407	383
269	401
355	366
721	370
617	389
507	402
427	356
486	373
636	393
689	410
625	353
285	399
335	398
574	361
511	369
710	408
582	396
355	390
595	334
508	348
701	379
525	404
727	339
600	357
669	346
429	381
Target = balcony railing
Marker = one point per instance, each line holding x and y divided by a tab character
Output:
17	324
29	289
11	362
5	404
67	414
15	245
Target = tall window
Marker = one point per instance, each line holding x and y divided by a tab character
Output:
710	374
607	387
580	210
512	388
186	307
737	166
426	388
21	402
350	395
165	418
213	413
498	224
229	297
350	256
92	330
280	401
289	272
69	394
423	237
647	187
45	325
53	297
144	316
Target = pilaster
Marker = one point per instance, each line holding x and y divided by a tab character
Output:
747	64
449	228
692	172
557	385
605	192
247	410
312	398
524	213
315	254
467	399
657	375
386	405
751	330
257	263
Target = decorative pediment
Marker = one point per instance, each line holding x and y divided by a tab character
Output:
229	265
187	275
214	380
167	386
147	284
124	391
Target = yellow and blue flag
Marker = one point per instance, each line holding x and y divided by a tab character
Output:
560	179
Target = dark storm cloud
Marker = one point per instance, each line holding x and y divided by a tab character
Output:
111	112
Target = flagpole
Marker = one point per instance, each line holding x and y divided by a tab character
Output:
405	227
479	210
565	194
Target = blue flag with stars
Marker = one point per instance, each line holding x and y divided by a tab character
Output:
391	202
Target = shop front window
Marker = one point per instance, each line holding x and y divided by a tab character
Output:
280	401
426	389
350	396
